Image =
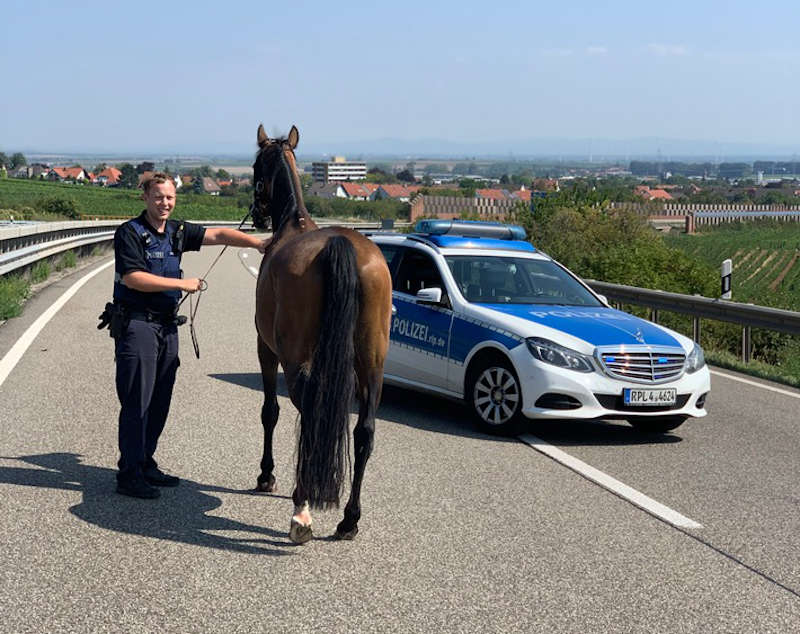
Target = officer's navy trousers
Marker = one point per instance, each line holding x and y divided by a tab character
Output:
147	360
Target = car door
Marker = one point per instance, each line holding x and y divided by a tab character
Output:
420	333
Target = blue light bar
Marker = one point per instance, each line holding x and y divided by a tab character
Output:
470	229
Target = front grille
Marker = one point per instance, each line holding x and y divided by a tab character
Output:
643	364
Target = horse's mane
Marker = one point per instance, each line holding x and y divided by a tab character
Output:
291	207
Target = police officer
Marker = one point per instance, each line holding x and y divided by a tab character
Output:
147	288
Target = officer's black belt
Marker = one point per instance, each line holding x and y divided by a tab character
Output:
161	318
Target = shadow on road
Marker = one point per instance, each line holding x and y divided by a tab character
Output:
397	405
443	416
596	433
179	515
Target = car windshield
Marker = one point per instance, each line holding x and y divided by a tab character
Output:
514	280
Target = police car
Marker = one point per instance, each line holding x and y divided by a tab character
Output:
480	314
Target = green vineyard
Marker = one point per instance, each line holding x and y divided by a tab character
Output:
99	202
765	256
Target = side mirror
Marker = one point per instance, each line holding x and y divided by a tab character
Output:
604	299
429	296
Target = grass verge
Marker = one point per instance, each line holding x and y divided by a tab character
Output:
40	271
14	289
757	369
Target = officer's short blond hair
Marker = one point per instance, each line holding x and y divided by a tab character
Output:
156	178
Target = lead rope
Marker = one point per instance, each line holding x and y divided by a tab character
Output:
204	287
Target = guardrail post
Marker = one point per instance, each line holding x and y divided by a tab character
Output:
696	329
747	344
654	315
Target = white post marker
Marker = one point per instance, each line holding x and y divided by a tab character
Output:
727	267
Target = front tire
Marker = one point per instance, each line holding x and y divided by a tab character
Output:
657	424
495	398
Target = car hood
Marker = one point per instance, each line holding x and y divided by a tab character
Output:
596	325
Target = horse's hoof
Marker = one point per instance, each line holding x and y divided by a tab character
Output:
300	533
269	486
346	535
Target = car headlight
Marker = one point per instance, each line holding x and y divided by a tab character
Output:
559	356
695	360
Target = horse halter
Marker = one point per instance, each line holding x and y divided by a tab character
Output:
259	186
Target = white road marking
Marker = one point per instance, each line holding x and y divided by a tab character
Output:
611	484
766	387
13	356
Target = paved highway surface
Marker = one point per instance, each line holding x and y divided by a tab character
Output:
460	533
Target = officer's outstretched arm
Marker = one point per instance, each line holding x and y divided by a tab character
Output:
233	238
149	283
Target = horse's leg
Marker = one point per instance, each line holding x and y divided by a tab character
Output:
300	527
369	396
269	415
300	530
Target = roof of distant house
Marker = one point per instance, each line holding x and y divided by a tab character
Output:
69	172
111	174
399	191
652	194
324	190
491	194
660	194
356	190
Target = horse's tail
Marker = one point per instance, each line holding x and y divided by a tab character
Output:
323	459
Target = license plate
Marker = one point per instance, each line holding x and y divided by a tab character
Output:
649	396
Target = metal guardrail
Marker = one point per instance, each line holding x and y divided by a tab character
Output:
23	244
748	315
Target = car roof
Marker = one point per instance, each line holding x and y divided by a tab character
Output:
449	236
470	242
461	245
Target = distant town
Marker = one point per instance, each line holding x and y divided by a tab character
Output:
466	188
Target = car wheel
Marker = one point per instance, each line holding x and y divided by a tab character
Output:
657	424
495	398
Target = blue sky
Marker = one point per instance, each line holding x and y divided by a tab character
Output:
183	76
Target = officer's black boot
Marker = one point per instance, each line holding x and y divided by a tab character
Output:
137	487
156	477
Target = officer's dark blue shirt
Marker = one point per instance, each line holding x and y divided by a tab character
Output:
139	247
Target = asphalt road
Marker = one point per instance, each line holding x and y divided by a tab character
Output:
460	532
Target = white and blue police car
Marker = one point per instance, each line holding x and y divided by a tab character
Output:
480	314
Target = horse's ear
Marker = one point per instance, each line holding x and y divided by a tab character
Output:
294	137
263	139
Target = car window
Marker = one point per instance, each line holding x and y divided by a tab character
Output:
511	280
417	271
392	254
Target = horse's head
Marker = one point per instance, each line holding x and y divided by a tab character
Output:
276	186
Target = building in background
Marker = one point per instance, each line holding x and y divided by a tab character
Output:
338	170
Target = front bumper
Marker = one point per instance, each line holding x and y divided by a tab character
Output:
550	392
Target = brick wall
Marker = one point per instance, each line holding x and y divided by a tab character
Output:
449	207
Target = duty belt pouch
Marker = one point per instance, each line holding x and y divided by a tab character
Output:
119	322
115	318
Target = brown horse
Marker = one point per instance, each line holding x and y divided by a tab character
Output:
323	305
